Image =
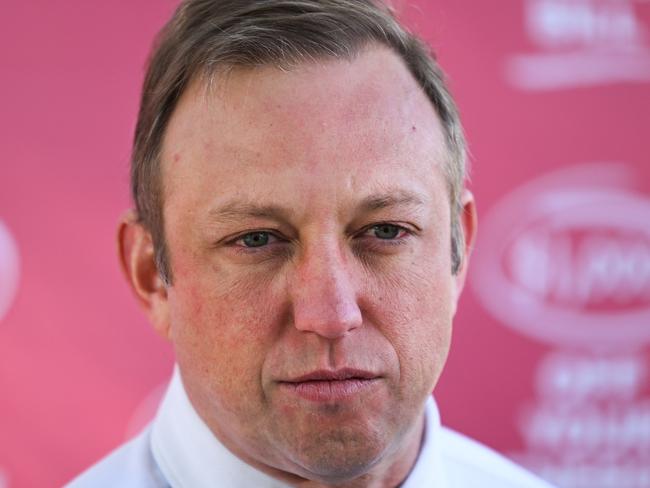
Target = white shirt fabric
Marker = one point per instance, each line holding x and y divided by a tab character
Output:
178	450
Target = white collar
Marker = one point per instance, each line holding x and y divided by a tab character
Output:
189	455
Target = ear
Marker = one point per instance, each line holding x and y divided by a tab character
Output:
469	225
137	259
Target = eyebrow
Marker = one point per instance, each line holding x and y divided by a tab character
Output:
389	199
235	211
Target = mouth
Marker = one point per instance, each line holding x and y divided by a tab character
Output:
331	386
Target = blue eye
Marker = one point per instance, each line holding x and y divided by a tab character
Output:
386	231
255	239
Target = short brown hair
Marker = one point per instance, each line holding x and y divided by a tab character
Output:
204	36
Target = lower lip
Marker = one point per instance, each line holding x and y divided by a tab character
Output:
330	390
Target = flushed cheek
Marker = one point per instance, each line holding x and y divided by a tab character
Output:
225	327
216	301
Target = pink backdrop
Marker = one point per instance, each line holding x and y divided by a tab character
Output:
550	356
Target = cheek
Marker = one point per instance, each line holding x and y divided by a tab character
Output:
215	302
222	328
413	309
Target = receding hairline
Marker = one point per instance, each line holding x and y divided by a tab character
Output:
209	78
205	88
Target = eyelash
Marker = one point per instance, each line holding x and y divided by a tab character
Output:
404	233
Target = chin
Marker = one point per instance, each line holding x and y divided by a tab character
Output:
340	455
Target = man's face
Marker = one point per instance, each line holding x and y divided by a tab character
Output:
308	225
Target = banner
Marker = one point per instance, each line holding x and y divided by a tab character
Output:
550	356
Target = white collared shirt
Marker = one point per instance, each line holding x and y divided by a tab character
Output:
179	450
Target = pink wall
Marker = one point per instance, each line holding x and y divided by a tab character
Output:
550	359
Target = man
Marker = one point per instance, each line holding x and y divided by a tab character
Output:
301	236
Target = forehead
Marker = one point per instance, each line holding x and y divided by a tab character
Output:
359	121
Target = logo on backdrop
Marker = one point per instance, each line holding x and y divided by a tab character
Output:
583	43
565	260
9	269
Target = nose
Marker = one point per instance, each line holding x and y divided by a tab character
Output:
324	298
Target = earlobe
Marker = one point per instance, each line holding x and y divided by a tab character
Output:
137	260
469	224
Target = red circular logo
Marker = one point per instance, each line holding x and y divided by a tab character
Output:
566	260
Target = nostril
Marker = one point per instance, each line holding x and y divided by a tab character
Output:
326	318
